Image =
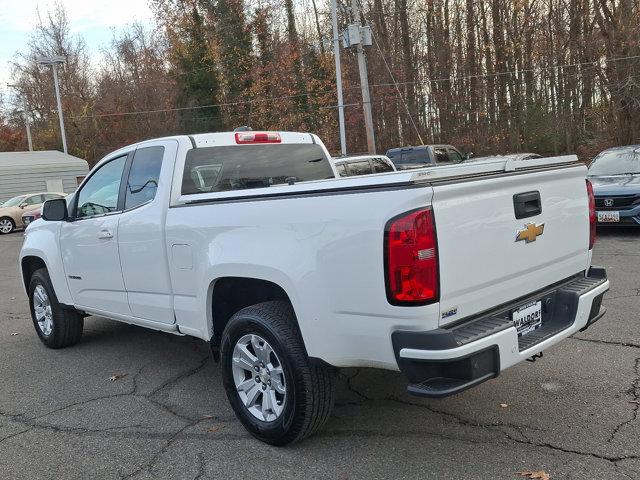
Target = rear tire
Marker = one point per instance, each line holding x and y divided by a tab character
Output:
56	326
303	393
7	225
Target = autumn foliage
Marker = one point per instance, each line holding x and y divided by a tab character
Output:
490	76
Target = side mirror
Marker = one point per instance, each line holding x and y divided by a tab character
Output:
55	210
22	205
469	155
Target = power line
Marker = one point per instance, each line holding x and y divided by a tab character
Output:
511	72
328	91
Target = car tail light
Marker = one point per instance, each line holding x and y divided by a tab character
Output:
411	258
258	137
592	215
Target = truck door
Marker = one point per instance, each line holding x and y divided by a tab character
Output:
89	243
141	232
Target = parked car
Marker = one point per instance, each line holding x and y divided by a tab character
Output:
421	156
509	156
363	165
290	273
11	211
615	175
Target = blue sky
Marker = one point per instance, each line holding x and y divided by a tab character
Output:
93	20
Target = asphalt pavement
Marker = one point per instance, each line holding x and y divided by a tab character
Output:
133	403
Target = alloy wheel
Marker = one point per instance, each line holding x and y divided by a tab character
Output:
6	226
259	377
42	309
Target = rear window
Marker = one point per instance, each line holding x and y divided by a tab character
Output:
238	167
414	156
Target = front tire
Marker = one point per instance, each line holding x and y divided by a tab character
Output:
275	391
7	225
57	327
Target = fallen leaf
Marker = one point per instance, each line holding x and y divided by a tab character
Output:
215	428
537	474
117	376
208	416
14	334
504	405
13	298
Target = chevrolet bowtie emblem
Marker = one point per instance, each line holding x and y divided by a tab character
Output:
530	232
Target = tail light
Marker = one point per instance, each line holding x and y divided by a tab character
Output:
592	215
411	258
258	137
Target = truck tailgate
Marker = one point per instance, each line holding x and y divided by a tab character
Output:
482	262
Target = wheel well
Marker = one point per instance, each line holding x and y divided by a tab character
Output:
29	266
232	294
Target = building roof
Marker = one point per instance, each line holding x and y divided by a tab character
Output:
40	157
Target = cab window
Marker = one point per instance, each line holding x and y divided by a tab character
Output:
342	170
143	176
380	165
99	195
441	155
360	168
453	155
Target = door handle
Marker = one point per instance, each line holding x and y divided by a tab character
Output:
105	234
527	204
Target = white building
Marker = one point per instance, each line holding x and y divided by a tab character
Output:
40	171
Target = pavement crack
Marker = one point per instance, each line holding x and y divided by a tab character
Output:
634	393
180	376
607	342
16	434
148	466
353	389
459	419
201	467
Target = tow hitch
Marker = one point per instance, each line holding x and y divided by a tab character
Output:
535	357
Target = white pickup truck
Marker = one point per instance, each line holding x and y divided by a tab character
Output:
250	241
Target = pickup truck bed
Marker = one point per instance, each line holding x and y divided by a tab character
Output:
248	241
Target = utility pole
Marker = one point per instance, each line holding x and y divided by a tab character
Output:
53	62
25	113
363	38
336	55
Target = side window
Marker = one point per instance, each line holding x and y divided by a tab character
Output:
441	155
100	194
143	176
360	168
453	155
33	200
380	166
342	170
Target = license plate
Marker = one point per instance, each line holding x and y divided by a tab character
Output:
608	217
528	317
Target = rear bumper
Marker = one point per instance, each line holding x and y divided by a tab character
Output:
449	360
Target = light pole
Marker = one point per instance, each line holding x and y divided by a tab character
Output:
53	62
25	112
336	52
